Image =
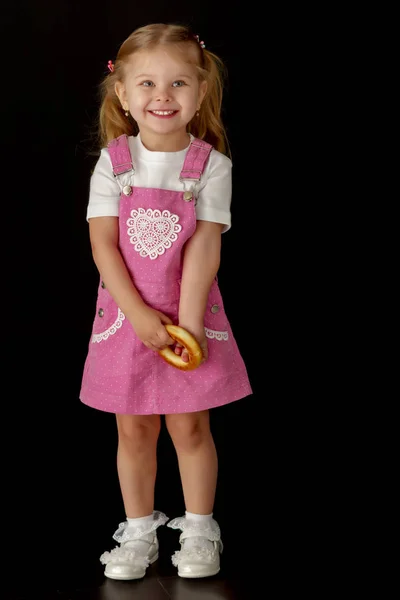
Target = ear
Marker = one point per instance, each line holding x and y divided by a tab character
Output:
202	91
121	92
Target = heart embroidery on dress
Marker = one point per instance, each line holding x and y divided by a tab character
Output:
152	232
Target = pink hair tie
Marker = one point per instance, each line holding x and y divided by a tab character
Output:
110	66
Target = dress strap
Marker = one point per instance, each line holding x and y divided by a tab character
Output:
120	155
195	160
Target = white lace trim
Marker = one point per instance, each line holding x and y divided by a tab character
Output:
196	554
122	554
126	534
212	334
99	337
209	530
152	232
216	335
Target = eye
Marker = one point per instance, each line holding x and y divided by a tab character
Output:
147	83
178	83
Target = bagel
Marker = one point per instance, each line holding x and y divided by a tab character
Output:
191	345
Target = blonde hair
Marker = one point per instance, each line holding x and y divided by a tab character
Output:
208	126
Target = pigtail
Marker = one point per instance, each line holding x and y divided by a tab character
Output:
208	125
112	119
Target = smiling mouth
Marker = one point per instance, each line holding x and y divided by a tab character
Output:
163	113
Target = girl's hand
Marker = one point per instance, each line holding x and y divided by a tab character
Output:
149	327
199	333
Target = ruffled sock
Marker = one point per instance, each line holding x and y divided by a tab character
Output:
198	541
141	545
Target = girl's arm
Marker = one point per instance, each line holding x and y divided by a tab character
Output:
201	262
104	236
147	322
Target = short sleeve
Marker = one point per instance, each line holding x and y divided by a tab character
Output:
214	199
104	191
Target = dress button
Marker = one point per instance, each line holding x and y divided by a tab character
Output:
127	190
214	308
101	312
103	285
187	196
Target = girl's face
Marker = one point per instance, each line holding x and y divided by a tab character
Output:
162	92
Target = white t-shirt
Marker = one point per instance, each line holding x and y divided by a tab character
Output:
161	170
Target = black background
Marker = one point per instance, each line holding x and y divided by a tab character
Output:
59	472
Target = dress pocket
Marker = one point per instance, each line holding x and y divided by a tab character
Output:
109	318
215	320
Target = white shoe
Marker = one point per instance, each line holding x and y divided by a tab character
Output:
137	550
201	547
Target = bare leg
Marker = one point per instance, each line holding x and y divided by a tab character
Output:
197	458
137	462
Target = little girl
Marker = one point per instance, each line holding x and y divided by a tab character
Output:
159	200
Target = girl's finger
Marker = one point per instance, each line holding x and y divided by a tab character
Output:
185	355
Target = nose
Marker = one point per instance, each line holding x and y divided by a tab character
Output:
163	98
163	95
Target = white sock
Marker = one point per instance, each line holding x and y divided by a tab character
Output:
141	544
200	540
198	518
140	521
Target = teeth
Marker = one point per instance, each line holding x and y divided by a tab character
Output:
163	112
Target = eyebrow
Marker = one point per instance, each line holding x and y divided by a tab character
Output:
176	76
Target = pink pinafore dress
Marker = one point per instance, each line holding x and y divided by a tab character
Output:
121	375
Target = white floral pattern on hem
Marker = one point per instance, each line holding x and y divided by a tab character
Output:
216	335
152	232
99	337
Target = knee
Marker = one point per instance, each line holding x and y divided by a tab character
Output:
188	431
138	433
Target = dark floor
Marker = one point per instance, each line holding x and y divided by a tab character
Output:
155	586
82	579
